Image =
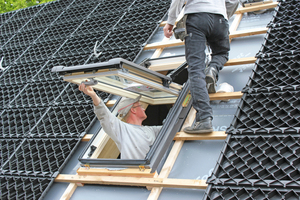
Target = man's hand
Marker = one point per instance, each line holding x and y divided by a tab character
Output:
168	30
88	90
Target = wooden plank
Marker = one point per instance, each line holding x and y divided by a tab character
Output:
225	95
69	191
231	62
173	43
236	22
244	33
240	61
128	172
110	103
133	181
87	138
216	135
157	45
256	7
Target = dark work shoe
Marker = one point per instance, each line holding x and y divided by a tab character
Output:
202	126
211	79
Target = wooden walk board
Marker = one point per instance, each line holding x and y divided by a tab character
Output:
240	61
172	43
122	172
244	33
225	96
256	7
216	135
133	181
174	65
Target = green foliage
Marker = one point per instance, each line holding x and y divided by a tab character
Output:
10	5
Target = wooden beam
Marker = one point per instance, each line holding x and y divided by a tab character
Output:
240	61
128	172
133	181
225	95
236	22
216	135
249	8
178	42
244	33
157	45
87	138
69	191
174	65
256	7
110	103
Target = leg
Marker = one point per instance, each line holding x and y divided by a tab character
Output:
195	45
219	44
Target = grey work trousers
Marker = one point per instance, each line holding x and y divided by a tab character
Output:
204	28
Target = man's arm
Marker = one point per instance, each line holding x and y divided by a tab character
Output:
88	90
174	11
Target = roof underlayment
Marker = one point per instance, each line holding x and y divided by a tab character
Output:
43	119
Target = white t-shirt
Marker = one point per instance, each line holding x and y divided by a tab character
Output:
133	141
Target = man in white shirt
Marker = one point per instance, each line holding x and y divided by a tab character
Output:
131	137
206	22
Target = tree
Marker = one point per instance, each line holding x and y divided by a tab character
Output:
10	5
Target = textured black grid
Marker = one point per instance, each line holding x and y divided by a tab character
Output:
39	94
287	12
16	187
21	73
281	39
11	55
72	95
13	27
59	19
8	93
250	193
45	74
143	15
275	74
40	157
24	38
80	45
26	13
129	37
274	112
39	52
41	21
127	53
6	16
18	122
4	39
265	160
79	12
8	148
98	24
65	121
58	32
111	6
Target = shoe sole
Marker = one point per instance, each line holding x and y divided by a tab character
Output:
210	84
199	131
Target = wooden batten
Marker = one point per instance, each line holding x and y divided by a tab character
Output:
216	135
133	181
129	172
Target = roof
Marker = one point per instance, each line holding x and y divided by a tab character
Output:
41	136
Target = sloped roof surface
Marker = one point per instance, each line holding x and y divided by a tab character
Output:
44	118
